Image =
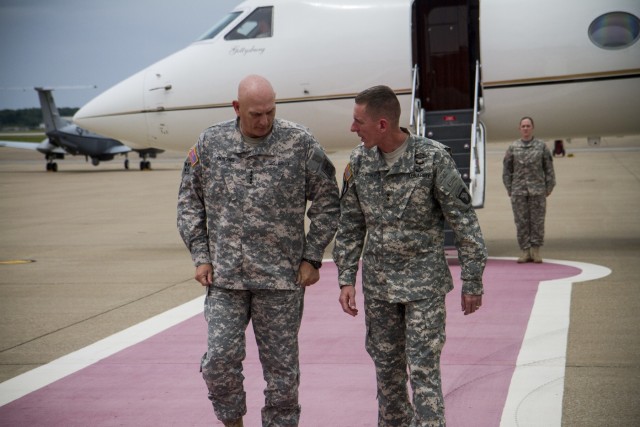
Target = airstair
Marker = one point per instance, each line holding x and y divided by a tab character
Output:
463	133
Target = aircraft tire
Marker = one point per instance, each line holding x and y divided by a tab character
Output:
54	167
126	164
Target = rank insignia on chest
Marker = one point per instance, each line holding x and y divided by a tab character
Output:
193	156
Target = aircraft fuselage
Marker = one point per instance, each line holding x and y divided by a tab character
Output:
540	62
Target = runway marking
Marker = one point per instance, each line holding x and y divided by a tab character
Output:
16	261
534	393
44	375
538	380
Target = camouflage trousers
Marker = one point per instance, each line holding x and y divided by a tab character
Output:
529	213
275	316
401	334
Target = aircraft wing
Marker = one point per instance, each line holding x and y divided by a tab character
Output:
118	149
22	145
43	147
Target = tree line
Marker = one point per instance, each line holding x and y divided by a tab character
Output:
27	118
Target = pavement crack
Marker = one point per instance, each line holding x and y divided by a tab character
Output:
118	307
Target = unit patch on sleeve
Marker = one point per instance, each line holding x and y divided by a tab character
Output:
346	178
464	196
319	162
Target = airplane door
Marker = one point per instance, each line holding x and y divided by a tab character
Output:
445	38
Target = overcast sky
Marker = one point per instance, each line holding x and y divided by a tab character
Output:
71	43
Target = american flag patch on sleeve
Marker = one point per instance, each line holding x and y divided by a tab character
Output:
193	156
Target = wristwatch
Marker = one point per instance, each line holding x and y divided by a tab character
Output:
314	264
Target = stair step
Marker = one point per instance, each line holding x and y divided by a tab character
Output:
453	129
449	117
457	145
447	132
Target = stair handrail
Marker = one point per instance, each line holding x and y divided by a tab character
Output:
474	168
477	166
417	114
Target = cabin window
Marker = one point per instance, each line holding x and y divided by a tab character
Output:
219	26
615	30
257	25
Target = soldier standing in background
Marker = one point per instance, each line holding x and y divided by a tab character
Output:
529	178
241	209
398	189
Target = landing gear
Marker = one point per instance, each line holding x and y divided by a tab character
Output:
95	161
126	164
52	166
145	165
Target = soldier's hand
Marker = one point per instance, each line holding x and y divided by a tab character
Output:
471	303
204	274
307	274
348	300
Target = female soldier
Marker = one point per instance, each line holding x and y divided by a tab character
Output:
529	179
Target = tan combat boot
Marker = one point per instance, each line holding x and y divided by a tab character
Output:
234	423
525	257
535	254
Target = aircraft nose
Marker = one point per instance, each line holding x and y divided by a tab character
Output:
118	113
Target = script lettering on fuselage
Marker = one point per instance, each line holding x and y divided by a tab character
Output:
236	50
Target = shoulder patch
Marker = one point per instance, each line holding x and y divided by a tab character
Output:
348	173
193	156
346	178
319	162
464	196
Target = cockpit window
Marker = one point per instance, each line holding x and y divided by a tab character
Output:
615	30
219	26
256	25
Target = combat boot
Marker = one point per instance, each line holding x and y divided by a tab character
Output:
234	423
535	254
525	257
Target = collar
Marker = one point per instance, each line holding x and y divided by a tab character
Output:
264	148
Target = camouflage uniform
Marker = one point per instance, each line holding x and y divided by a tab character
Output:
405	273
528	177
242	210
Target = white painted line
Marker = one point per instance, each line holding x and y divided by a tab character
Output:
44	375
535	392
537	385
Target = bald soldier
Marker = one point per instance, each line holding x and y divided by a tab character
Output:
241	209
398	190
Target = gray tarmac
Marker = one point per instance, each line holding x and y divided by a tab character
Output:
106	255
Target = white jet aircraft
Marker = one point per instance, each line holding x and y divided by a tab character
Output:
465	72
